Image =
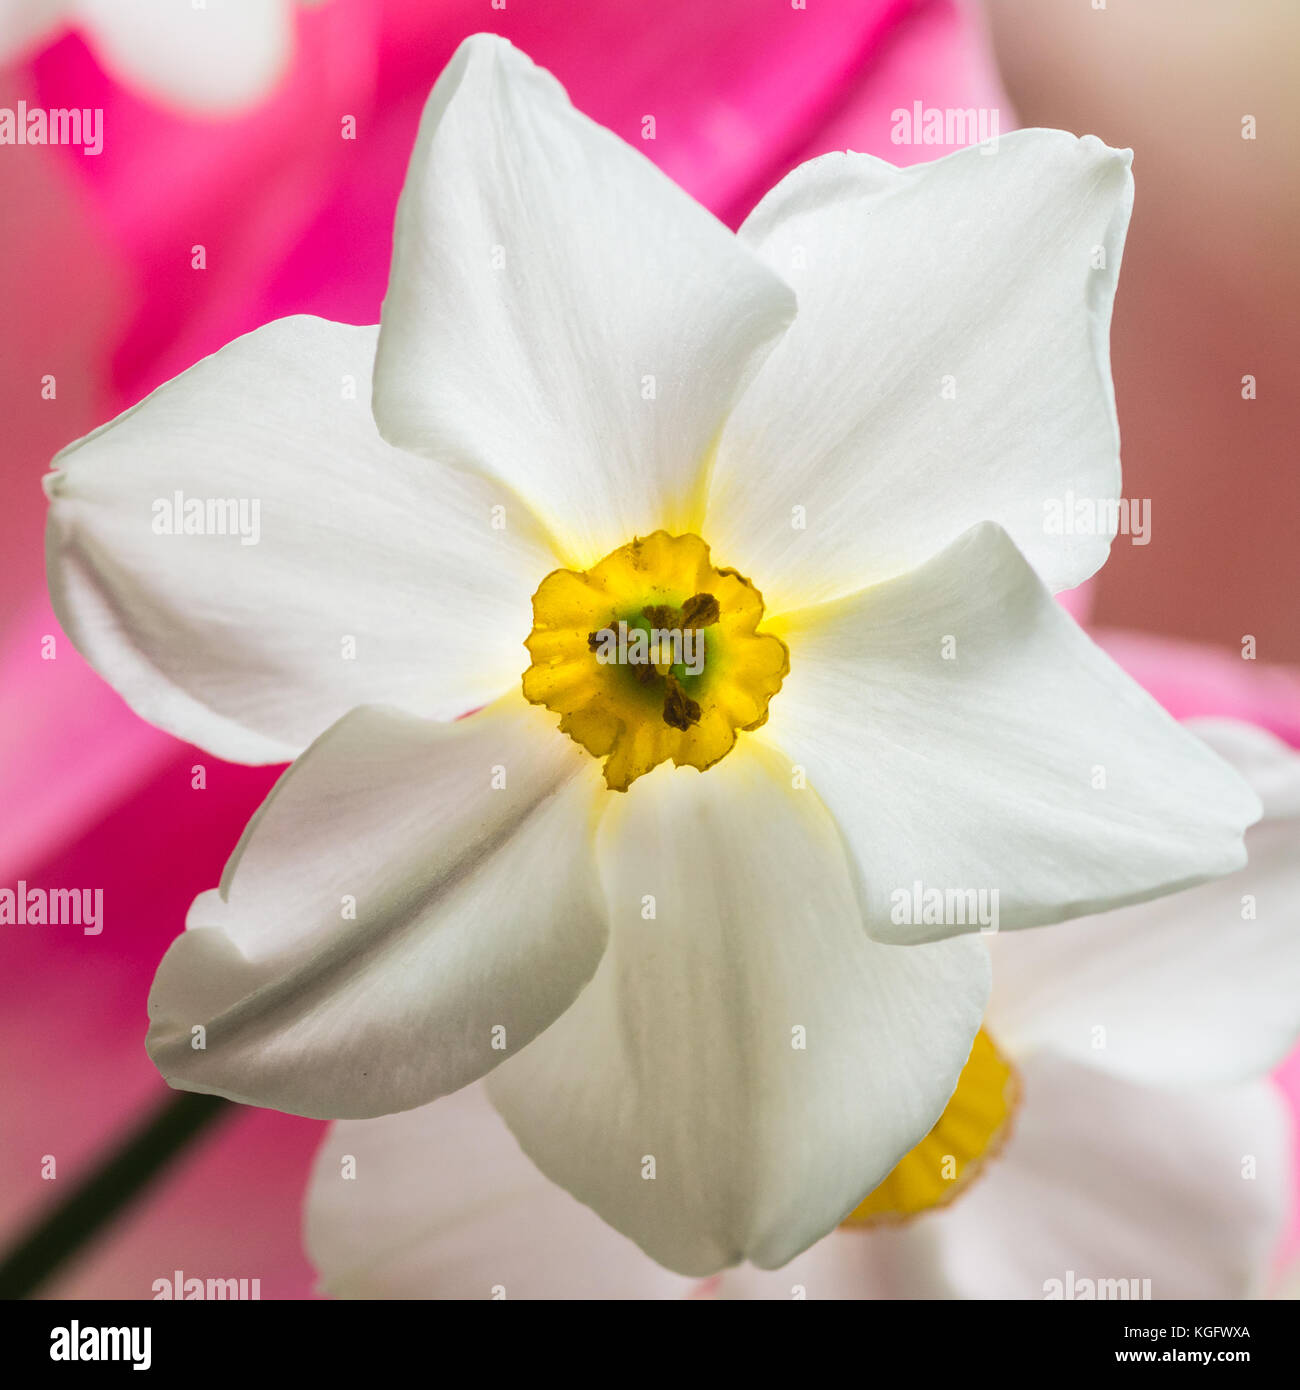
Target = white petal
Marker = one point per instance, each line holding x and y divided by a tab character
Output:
980	771
413	903
213	59
978	268
685	1049
439	1202
1270	766
375	576
560	314
1197	989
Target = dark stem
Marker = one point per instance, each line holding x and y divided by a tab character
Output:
102	1196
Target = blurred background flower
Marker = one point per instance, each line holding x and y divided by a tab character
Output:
195	57
244	151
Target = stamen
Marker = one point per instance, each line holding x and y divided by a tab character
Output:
680	710
635	702
703	610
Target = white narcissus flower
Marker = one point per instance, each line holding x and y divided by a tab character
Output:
690	990
215	58
1113	1124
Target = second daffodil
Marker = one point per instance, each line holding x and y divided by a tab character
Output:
759	518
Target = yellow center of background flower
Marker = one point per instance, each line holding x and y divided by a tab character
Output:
588	664
970	1131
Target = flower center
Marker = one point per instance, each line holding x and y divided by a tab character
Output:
651	655
971	1130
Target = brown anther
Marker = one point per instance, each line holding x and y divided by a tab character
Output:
660	615
594	641
680	711
701	610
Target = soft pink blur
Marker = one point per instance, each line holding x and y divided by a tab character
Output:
294	219
1209	293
